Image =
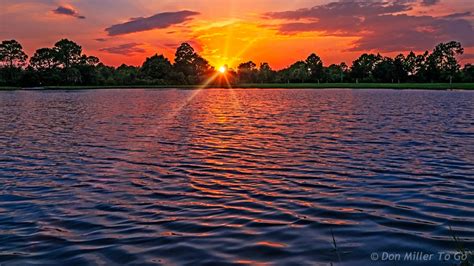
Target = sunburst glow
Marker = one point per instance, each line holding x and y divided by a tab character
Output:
222	69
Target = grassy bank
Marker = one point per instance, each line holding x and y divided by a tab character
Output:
8	88
429	86
425	86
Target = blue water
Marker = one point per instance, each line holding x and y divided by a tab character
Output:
234	177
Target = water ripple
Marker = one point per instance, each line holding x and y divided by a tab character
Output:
233	177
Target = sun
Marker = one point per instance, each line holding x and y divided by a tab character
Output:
222	69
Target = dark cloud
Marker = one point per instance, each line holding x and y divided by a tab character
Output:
158	21
68	11
125	49
459	15
358	9
381	25
429	2
101	39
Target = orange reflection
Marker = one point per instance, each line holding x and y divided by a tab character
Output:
272	244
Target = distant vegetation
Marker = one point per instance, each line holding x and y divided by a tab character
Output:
66	65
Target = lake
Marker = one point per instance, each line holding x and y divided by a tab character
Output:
235	176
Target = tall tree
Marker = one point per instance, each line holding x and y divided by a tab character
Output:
88	70
12	61
265	73
336	73
400	68
363	67
384	71
442	62
468	73
45	63
247	72
410	66
105	75
184	54
184	58
315	68
156	67
126	75
44	59
68	53
421	67
12	54
202	68
298	72
192	65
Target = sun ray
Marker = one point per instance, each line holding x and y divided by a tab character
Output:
195	91
230	30
242	51
232	93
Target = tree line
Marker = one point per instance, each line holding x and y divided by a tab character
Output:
64	64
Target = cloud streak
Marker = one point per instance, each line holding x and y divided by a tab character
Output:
125	49
68	11
380	25
429	2
158	21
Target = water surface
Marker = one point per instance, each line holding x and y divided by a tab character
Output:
233	176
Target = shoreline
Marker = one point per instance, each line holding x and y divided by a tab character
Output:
401	86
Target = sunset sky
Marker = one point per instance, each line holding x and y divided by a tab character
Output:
232	31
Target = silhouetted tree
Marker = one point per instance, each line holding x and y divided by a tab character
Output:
72	76
184	59
105	75
314	65
232	76
45	63
442	62
184	55
202	69
44	59
337	73
410	65
68	53
247	72
193	67
126	75
65	64
421	67
156	68
468	73
265	73
12	54
400	68
299	72
12	60
87	68
363	67
384	70
30	77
